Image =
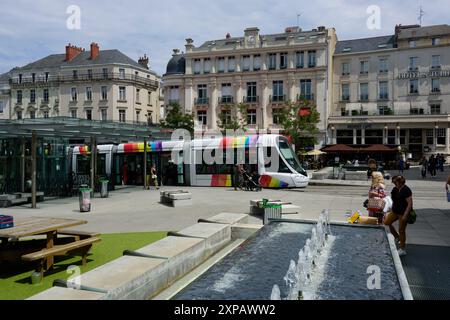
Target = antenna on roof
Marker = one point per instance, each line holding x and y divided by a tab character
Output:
421	14
298	19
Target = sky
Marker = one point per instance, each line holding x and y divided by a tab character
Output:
33	29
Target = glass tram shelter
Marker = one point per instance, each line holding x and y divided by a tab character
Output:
35	154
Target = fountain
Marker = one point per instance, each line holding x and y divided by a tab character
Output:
328	262
299	276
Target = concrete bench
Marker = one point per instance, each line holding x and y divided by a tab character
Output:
9	200
176	198
356	175
58	293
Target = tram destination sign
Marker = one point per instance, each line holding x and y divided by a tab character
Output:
429	74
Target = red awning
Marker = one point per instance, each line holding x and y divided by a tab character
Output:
339	148
379	148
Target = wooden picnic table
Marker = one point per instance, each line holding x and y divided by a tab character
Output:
26	227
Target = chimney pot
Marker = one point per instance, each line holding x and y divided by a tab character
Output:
95	50
72	51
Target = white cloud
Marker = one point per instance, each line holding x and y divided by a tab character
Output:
32	30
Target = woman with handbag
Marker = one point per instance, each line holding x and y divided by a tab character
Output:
402	210
377	194
154	176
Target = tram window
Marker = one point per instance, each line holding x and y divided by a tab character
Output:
101	165
83	165
290	156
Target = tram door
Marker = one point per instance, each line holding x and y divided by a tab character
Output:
173	174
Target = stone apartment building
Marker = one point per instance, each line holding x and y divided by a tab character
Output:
394	90
261	71
5	94
98	84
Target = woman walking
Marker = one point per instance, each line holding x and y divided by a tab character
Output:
424	164
432	166
154	176
402	205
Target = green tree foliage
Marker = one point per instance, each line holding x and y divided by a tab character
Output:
176	119
233	117
299	120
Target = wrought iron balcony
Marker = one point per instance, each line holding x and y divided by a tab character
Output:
226	100
279	98
110	76
251	99
201	101
307	96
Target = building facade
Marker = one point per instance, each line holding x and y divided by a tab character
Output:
394	90
5	96
98	84
261	71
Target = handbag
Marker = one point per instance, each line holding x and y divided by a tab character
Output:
412	217
376	204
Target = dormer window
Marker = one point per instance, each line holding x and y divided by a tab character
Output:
347	49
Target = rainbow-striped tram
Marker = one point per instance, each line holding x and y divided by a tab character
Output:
206	162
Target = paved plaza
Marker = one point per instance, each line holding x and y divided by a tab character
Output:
136	210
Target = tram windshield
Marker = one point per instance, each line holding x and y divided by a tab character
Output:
290	156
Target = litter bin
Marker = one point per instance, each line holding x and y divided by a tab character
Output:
85	199
271	211
104	193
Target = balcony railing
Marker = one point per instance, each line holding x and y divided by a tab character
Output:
281	98
364	97
389	112
226	99
201	101
26	81
251	99
383	97
308	96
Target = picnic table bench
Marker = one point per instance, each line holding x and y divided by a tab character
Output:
53	246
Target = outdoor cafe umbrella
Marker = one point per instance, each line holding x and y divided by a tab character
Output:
314	153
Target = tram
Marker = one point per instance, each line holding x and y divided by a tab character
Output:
202	162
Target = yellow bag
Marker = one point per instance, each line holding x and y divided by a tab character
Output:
355	217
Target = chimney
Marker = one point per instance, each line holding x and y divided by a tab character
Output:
143	61
291	30
72	51
228	36
95	50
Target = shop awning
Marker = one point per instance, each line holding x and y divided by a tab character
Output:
339	148
378	148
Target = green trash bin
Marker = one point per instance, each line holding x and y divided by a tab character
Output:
85	199
104	193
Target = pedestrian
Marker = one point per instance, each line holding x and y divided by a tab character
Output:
424	164
401	166
432	166
154	176
125	174
402	206
377	195
235	176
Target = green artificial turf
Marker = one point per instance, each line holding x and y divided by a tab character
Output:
15	281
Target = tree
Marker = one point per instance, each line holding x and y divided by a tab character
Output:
299	121
233	117
176	119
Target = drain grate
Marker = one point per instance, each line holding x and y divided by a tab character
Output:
428	271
